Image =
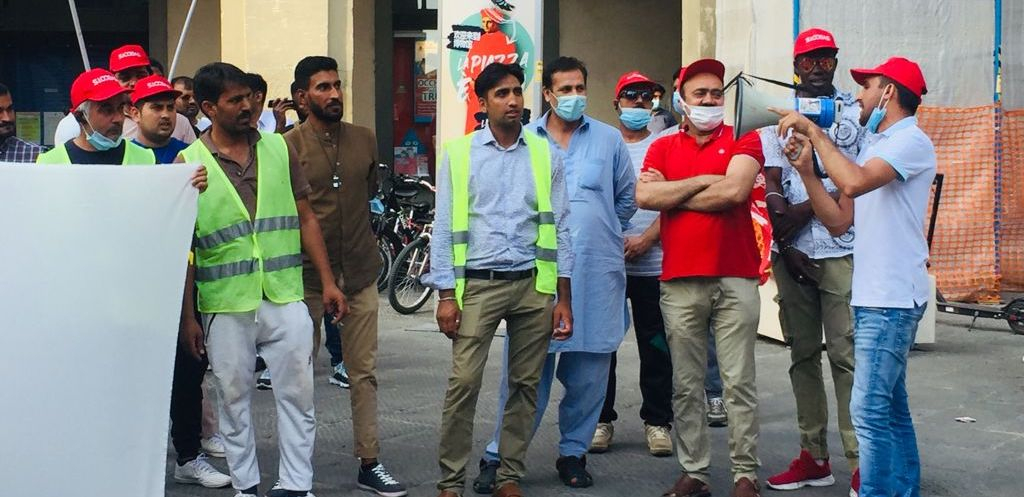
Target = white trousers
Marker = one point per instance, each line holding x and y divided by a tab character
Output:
282	335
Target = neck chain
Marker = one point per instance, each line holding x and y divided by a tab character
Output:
334	163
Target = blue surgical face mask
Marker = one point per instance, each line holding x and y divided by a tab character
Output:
101	142
677	103
635	118
877	114
655	103
570	107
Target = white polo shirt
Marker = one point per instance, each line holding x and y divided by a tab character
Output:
890	251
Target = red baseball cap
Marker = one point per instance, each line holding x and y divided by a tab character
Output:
153	85
701	66
95	85
631	78
127	57
813	39
903	71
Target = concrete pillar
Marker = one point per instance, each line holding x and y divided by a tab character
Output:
699	27
202	44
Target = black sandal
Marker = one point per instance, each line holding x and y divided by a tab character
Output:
484	483
572	471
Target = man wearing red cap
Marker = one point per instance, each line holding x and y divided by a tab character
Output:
701	179
814	270
154	113
128	64
633	100
97	104
890	183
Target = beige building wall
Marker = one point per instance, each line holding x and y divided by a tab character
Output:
616	37
202	43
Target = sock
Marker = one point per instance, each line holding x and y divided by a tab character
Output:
368	466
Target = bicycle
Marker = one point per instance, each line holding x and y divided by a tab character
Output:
406	291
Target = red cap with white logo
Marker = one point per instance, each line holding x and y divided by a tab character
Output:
813	39
903	71
153	85
95	85
127	57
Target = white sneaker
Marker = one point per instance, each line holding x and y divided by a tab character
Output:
602	438
240	494
213	446
199	471
263	382
659	441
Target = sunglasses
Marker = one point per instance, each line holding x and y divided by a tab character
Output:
806	64
631	94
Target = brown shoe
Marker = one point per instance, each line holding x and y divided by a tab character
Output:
447	493
746	488
510	489
688	487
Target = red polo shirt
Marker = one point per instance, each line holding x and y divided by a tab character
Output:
711	244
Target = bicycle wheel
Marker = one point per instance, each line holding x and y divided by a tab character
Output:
387	257
406	291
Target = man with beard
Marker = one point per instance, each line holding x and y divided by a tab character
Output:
153	110
98	103
340	162
186	104
12	148
254	227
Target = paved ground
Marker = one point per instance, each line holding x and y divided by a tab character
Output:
978	374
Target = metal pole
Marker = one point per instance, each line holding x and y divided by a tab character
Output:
181	39
796	19
78	31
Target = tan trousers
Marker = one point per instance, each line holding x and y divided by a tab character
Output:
359	343
803	312
731	306
527	314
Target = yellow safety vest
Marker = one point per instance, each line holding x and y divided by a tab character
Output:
547	243
238	260
134	155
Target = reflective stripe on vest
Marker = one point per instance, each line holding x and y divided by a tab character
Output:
134	155
458	151
239	261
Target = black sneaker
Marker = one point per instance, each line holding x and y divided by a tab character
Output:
484	484
263	382
376	479
340	376
277	491
572	470
717	414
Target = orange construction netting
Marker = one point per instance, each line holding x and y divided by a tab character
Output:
1011	226
963	250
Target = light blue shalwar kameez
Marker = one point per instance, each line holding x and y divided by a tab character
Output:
600	181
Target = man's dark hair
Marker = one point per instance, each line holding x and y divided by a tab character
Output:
562	64
184	81
493	74
257	83
906	98
4	90
156	64
675	75
295	87
211	80
311	65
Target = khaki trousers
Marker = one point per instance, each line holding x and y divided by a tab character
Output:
731	306
803	312
527	314
359	343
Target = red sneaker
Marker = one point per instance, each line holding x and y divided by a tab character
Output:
855	483
803	471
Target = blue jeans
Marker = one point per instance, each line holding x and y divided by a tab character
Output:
713	379
332	341
889	463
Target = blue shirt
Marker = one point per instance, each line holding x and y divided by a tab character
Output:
167	153
601	185
890	253
502	212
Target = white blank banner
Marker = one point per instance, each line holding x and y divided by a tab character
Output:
92	268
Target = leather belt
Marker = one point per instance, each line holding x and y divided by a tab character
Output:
486	274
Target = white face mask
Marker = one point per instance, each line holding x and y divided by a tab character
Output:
705	118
